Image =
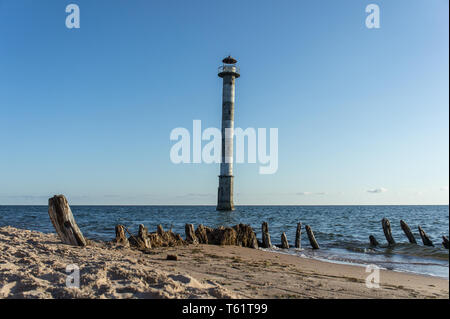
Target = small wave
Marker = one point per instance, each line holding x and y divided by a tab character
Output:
413	250
406	265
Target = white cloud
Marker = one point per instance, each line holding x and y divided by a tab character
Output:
444	189
377	190
310	193
198	195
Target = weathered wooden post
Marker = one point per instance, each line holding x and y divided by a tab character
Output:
121	238
387	231
245	236
312	239
190	234
407	232
266	243
425	239
373	241
160	230
298	234
63	221
284	241
445	241
143	236
201	234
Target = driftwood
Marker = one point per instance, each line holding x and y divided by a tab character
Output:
298	234
190	234
387	231
121	238
172	257
425	239
266	243
445	241
133	240
63	221
312	239
407	232
373	241
284	241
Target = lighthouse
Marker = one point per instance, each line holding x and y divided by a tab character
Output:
229	72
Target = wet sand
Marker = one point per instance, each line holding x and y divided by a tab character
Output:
33	265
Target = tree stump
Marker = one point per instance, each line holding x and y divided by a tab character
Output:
407	232
190	234
425	239
311	237
284	241
298	234
121	238
63	221
373	241
445	241
387	231
266	243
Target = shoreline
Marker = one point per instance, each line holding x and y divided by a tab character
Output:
339	262
33	264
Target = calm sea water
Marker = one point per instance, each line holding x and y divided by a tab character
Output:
342	231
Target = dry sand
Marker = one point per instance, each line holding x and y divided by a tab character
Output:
33	265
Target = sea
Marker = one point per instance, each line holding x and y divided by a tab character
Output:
341	231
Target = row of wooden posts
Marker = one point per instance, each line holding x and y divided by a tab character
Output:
67	229
407	230
373	242
266	242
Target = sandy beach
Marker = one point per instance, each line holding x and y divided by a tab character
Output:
33	265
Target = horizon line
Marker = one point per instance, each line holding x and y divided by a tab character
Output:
246	205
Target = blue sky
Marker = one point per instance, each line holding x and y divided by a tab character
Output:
88	112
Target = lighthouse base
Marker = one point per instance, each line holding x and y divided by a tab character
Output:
225	193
